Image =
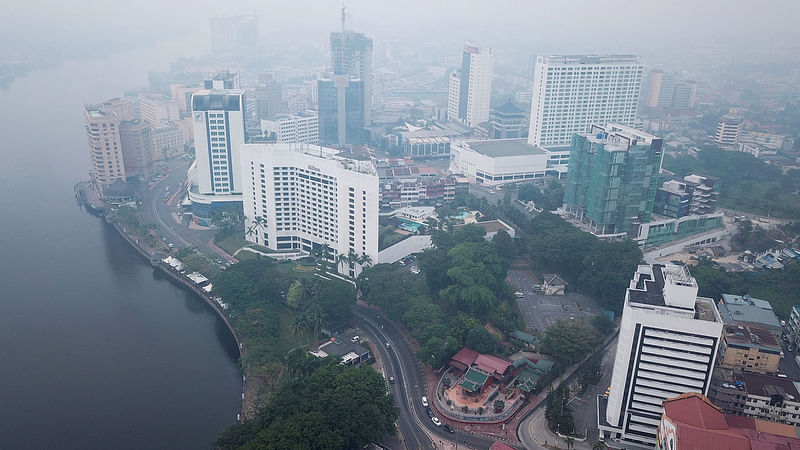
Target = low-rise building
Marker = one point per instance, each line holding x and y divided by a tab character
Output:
301	127
758	396
750	348
691	422
350	352
747	310
507	122
729	130
507	160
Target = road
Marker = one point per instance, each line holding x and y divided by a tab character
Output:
533	430
400	362
157	211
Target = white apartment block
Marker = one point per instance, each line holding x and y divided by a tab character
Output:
167	142
219	132
302	128
570	93
298	197
470	88
158	110
667	346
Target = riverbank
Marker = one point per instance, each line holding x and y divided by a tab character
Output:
251	385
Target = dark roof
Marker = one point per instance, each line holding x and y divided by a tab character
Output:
508	108
649	291
341	348
769	385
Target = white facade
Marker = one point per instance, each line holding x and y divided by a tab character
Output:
570	93
471	105
167	142
668	342
219	133
158	110
487	166
294	128
300	197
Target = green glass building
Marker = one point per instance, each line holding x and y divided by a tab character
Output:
612	179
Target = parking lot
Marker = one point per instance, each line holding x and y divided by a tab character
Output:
540	311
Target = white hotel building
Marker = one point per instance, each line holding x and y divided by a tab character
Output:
298	197
570	93
668	342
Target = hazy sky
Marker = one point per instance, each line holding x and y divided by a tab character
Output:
546	26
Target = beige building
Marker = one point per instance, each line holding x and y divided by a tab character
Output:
137	145
729	130
158	110
106	161
167	142
750	348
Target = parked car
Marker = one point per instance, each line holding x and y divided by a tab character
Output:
425	401
436	421
429	411
448	428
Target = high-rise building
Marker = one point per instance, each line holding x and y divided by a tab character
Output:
158	110
137	147
352	55
612	179
470	88
219	133
230	34
667	346
107	163
571	93
668	91
223	80
295	128
729	130
267	97
302	197
341	110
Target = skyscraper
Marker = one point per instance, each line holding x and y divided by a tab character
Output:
612	179
470	88
667	346
668	91
571	93
341	110
351	54
267	97
219	133
119	146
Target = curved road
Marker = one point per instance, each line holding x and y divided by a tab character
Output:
401	363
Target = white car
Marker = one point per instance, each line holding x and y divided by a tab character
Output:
425	401
436	421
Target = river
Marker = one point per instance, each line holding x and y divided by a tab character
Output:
96	349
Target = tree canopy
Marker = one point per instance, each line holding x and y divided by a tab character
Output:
324	405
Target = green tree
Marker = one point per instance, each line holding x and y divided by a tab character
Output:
332	407
569	340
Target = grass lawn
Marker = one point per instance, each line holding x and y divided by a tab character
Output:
232	243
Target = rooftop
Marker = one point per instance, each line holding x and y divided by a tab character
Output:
591	59
498	148
738	309
751	336
769	385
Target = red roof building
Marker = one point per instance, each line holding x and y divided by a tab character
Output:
691	422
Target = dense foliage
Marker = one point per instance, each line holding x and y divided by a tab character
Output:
600	269
323	405
548	199
746	183
570	339
464	287
270	302
780	287
559	417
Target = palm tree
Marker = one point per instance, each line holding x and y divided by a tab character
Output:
598	446
364	261
298	327
314	317
570	442
258	222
